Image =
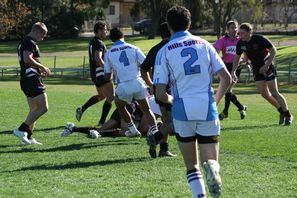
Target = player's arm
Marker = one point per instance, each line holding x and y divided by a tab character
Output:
161	78
30	61
147	79
272	52
162	95
107	68
225	82
98	58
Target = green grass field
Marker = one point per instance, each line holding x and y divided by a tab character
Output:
70	53
258	157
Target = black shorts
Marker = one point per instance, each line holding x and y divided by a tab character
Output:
32	86
162	104
229	67
99	80
270	74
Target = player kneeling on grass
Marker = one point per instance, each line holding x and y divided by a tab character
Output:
125	59
189	62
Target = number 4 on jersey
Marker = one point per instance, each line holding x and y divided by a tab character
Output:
124	59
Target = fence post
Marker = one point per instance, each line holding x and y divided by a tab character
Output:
289	72
55	61
84	64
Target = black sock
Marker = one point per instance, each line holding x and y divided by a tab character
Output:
236	102
29	136
85	130
164	146
287	113
280	110
93	100
105	110
227	102
24	127
158	136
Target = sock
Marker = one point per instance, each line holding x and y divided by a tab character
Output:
29	136
105	111
287	113
157	134
236	102
110	133
280	110
196	183
132	127
85	130
93	100
24	127
164	146
227	102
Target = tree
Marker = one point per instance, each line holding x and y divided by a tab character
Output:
14	16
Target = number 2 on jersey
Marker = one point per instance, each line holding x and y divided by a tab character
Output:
124	59
188	65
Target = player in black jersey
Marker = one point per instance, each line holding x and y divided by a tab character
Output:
31	82
147	68
261	52
104	88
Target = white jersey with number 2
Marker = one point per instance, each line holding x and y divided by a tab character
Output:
188	63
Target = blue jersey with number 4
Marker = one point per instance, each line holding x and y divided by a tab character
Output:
188	63
125	60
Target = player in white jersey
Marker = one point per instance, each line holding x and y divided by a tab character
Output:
189	62
125	59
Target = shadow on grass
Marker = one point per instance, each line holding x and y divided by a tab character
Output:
72	147
44	130
82	164
249	127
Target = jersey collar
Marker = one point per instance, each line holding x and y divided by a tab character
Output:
180	34
119	42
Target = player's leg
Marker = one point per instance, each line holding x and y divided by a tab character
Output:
273	88
208	132
108	91
241	108
166	129
186	137
38	106
125	115
154	135
80	110
262	87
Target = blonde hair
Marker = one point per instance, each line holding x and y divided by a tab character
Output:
39	27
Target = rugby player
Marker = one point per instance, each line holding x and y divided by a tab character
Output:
31	81
261	52
189	62
105	88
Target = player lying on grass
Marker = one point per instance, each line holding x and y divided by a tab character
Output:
116	127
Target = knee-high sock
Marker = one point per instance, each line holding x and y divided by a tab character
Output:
93	100
196	183
105	110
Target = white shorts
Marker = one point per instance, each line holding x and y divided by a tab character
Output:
192	127
132	89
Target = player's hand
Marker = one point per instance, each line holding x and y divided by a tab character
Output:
234	77
45	71
151	89
263	70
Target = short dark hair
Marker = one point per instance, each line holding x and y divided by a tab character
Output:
178	18
246	26
164	30
231	23
115	34
99	25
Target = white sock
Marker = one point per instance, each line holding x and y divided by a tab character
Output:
196	182
132	127
153	129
